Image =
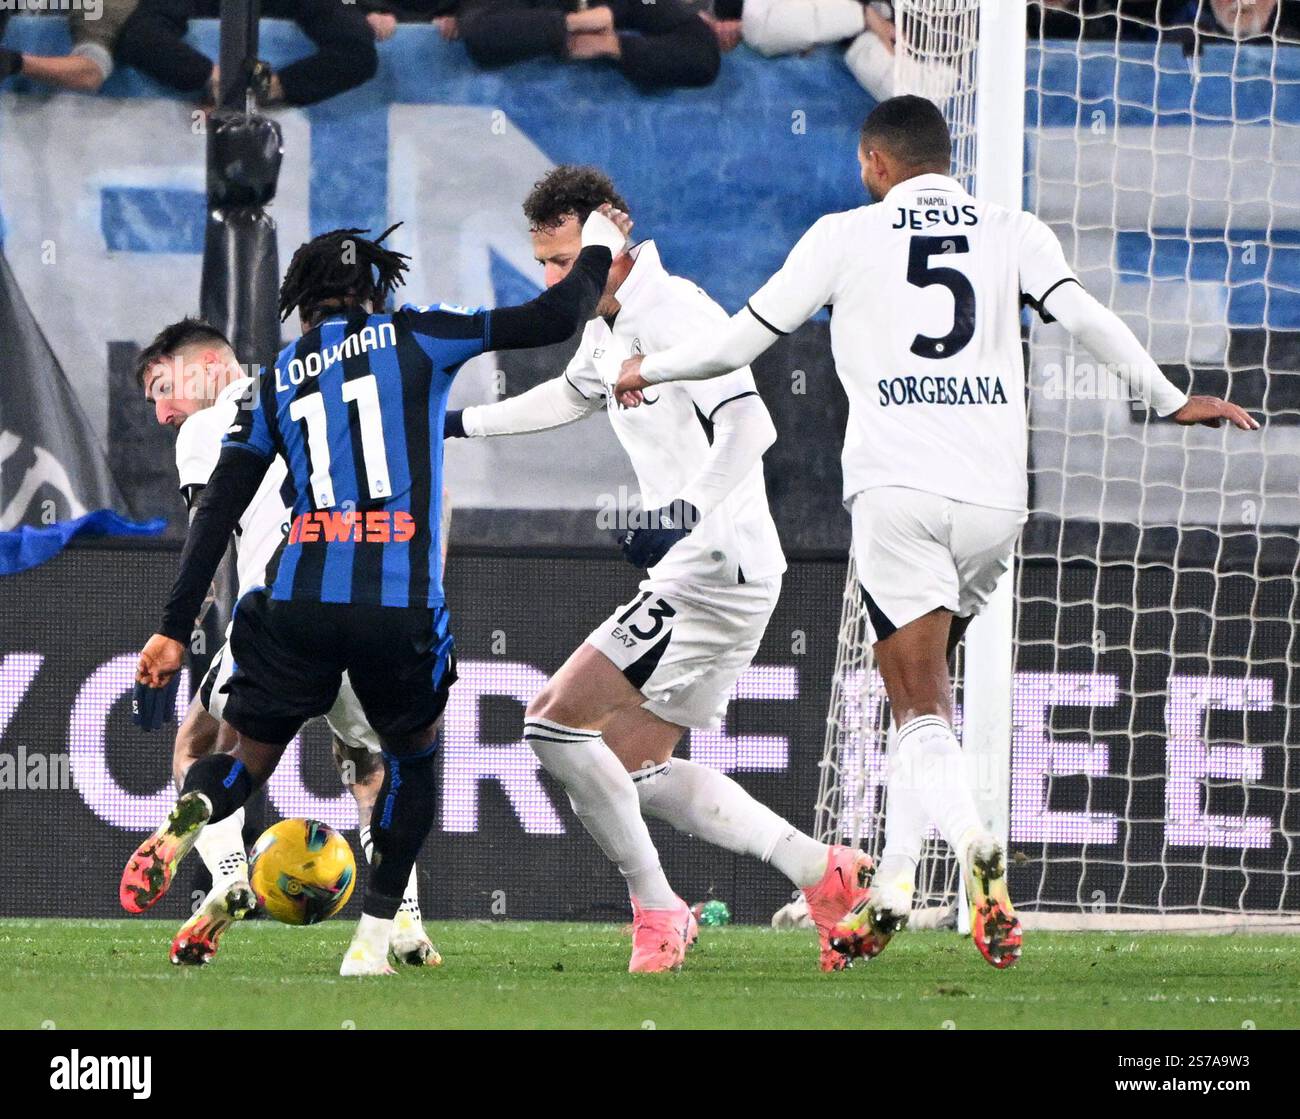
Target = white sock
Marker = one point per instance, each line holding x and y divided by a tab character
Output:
705	803
905	826
221	847
604	799
931	766
411	898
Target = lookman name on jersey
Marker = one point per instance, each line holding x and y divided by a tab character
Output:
315	362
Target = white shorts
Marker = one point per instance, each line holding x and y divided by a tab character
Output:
684	646
346	719
917	552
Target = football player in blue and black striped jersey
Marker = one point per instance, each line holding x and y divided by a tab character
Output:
355	407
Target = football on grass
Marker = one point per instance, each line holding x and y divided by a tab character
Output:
302	871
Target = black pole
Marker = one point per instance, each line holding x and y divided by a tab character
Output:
241	269
238	55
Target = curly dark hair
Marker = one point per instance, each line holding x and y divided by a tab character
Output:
569	189
340	269
172	339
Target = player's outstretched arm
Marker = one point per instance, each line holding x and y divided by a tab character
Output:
711	353
553	403
803	286
233	484
1108	339
560	310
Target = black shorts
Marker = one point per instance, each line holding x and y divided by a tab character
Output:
289	659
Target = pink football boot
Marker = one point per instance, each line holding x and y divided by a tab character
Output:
659	937
844	885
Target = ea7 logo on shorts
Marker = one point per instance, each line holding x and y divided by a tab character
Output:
375	527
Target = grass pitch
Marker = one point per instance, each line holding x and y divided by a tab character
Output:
115	975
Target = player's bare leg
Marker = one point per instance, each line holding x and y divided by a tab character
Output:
564	726
927	773
363	773
405	800
703	802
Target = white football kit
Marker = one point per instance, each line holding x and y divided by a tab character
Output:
925	289
925	293
702	610
260	533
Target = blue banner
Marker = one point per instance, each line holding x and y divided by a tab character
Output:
26	547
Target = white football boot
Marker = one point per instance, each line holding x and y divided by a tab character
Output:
368	952
226	903
410	943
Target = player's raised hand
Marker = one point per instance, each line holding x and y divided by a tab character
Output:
601	229
618	217
630	382
1211	411
159	661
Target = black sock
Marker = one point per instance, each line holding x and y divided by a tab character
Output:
221	778
402	819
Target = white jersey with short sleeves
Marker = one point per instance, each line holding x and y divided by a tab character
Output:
667	438
925	289
266	520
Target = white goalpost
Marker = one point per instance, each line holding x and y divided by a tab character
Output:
1127	704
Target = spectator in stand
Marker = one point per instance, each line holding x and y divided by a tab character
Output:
774	27
1193	23
95	28
153	41
404	11
656	45
1241	21
727	22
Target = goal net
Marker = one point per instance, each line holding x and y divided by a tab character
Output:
1154	770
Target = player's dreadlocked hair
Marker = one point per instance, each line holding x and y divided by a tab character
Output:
566	190
340	269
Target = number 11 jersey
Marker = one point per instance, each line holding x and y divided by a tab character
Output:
925	289
355	406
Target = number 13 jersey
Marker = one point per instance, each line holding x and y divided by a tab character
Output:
925	289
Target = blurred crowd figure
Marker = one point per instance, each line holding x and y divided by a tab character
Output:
654	43
1190	23
774	27
149	35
